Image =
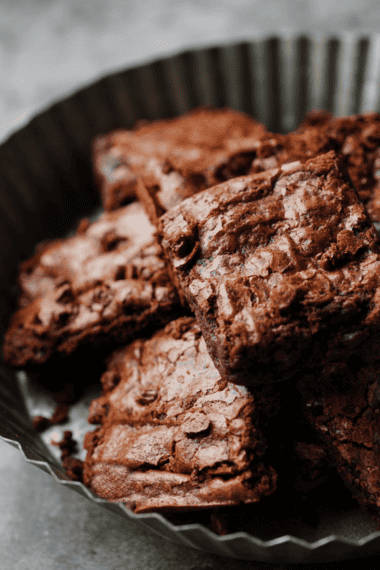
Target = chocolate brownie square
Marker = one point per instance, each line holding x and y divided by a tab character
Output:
280	268
96	289
184	152
342	405
93	253
174	435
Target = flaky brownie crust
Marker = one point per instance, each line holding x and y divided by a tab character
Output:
280	268
173	434
97	288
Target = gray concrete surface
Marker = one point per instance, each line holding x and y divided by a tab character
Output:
48	48
44	526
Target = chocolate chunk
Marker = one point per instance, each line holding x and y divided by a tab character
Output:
110	240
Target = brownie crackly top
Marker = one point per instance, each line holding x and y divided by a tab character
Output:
281	268
96	288
174	434
183	149
95	252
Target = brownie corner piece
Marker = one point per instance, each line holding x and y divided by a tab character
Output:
280	268
173	435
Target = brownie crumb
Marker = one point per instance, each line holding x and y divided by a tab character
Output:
67	445
218	522
40	423
60	414
73	468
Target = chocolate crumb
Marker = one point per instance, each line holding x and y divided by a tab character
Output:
67	445
60	414
73	468
40	423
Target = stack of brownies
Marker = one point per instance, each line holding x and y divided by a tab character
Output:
233	285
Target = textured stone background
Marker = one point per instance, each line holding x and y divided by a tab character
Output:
49	48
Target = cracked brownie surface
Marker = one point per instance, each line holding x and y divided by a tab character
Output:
281	269
173	434
95	252
187	170
96	288
167	161
184	151
164	183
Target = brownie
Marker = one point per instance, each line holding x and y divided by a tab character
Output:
95	289
165	182
184	152
73	466
357	139
162	183
95	252
280	268
342	406
174	435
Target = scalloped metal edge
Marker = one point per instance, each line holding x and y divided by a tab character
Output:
196	535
